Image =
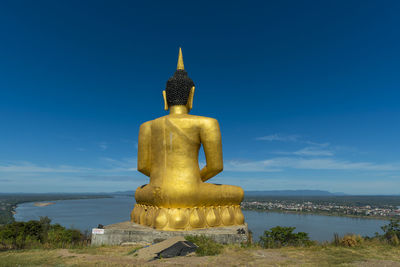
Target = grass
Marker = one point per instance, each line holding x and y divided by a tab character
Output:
134	251
34	257
206	245
369	253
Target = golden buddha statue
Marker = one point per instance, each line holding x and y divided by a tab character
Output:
177	197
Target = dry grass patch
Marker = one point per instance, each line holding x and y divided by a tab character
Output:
105	250
342	256
34	257
368	254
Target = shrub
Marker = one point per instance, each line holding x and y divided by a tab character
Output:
392	232
206	245
33	229
32	234
336	239
283	236
60	236
348	241
13	235
394	240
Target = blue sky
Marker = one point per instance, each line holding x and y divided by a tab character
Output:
306	92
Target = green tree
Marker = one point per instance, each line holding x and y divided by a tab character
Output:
33	229
392	231
59	235
20	235
283	236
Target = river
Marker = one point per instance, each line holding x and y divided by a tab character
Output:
85	214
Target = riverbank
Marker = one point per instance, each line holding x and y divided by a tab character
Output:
366	255
9	202
385	218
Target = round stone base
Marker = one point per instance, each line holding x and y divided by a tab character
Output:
129	232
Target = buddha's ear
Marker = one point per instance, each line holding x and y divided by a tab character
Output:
190	99
165	100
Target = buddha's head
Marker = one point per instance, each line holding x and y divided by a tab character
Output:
180	88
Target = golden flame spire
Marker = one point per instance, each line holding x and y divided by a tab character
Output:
180	61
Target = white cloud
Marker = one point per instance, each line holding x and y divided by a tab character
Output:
284	182
103	145
279	137
111	166
24	166
250	166
309	151
317	144
312	151
125	164
314	148
110	178
282	163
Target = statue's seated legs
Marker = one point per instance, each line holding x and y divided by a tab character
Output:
206	205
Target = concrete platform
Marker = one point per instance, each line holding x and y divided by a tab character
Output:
128	232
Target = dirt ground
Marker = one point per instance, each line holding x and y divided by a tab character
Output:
232	256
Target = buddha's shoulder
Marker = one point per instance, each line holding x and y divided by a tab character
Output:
199	120
146	124
206	120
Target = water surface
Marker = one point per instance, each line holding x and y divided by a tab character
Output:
85	214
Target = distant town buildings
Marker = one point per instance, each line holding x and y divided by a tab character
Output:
331	208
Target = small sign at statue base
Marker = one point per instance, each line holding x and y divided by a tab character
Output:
97	231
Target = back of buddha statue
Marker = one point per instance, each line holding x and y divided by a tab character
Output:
177	197
175	143
168	146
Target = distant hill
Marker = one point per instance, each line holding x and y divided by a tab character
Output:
124	193
292	193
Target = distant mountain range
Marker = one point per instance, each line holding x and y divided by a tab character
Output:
271	193
293	193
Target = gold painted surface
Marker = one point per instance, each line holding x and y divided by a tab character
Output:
177	197
173	219
180	65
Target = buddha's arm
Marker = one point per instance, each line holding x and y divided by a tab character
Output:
210	137
144	149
